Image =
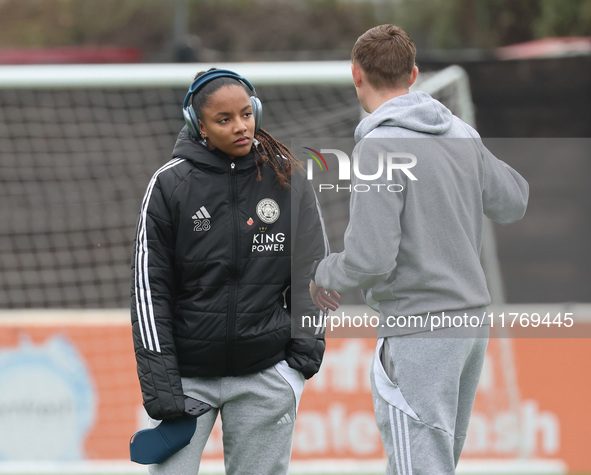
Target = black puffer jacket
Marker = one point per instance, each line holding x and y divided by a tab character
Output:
217	256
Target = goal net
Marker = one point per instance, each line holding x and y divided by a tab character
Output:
78	145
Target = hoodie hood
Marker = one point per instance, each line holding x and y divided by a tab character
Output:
185	146
415	111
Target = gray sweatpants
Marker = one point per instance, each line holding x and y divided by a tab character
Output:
258	414
423	391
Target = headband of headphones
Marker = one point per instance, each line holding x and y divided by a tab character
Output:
189	113
210	76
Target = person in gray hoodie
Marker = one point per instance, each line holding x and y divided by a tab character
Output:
422	182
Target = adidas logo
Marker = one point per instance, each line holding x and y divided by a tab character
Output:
201	214
285	419
201	220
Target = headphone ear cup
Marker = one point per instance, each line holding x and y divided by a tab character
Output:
257	112
192	122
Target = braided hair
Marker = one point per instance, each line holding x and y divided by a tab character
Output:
270	150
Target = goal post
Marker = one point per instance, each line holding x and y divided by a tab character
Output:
170	75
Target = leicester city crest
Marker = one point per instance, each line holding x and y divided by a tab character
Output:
268	210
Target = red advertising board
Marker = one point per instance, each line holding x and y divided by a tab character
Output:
69	380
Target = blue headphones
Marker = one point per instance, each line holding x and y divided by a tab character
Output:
189	113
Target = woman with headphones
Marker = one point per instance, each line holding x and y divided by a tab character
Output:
226	238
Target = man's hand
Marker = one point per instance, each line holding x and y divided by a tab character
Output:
324	299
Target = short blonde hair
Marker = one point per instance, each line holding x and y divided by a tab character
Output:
387	56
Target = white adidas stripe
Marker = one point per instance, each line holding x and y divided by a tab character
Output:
400	441
408	457
143	295
202	213
325	236
392	429
286	419
205	213
322	328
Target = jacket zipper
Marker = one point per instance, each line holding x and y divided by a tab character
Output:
231	333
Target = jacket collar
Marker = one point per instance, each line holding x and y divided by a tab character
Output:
216	160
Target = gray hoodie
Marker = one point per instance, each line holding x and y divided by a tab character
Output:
414	235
